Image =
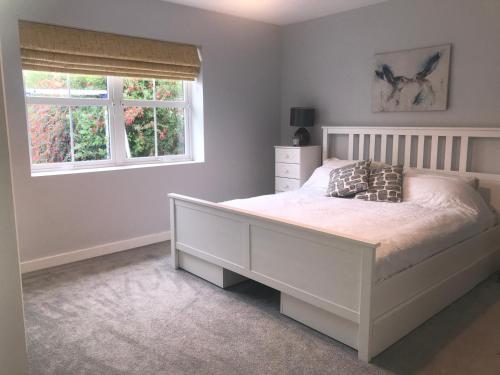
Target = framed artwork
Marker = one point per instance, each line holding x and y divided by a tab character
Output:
411	80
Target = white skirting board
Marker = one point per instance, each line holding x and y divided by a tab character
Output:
92	252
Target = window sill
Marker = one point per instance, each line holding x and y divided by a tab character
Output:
111	168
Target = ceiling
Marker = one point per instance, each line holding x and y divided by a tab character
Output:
278	12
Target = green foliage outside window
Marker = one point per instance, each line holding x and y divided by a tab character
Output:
89	133
139	121
50	134
170	125
50	126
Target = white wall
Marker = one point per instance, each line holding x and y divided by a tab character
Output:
241	65
12	344
327	63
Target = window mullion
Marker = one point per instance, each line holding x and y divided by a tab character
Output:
67	101
155	123
109	147
188	133
71	135
155	132
112	118
119	132
154	103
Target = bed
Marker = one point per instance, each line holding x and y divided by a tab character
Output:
348	284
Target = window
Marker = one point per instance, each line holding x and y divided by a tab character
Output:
154	116
84	121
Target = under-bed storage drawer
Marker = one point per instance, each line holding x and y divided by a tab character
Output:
287	170
286	184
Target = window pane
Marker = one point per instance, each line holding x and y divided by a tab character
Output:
139	124
136	88
90	133
169	90
45	83
49	131
171	131
85	86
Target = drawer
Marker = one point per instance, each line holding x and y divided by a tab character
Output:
287	170
287	155
286	184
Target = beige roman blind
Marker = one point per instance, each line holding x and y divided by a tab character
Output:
69	50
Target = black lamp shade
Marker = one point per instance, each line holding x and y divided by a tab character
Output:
301	117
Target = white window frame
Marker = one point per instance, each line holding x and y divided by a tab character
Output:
117	136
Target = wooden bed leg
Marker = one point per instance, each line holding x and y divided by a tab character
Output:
364	353
365	318
174	254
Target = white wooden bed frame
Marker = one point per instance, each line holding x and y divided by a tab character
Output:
327	281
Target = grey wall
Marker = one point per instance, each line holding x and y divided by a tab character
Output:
12	345
241	65
327	63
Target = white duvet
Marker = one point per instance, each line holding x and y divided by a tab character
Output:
407	233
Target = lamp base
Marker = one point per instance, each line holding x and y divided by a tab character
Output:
301	137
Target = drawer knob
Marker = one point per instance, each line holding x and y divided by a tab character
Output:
286	186
287	156
286	171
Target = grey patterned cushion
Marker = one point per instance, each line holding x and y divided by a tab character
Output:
384	185
349	180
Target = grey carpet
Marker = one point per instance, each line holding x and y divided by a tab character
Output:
131	313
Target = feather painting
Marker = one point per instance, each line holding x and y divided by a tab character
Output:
411	80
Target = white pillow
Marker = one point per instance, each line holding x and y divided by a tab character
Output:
472	181
439	193
321	175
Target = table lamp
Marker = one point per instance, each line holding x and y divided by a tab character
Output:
302	118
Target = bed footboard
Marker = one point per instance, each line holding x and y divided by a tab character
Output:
326	272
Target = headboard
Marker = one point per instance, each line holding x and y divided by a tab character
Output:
443	149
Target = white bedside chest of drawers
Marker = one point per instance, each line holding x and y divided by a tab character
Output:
294	165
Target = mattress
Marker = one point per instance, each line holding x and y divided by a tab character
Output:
407	234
